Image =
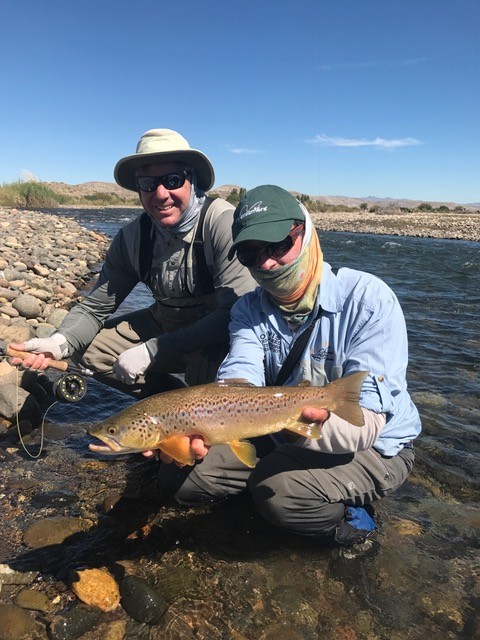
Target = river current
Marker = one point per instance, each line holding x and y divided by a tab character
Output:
423	576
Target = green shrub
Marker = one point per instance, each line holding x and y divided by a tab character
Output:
103	198
425	206
235	196
30	194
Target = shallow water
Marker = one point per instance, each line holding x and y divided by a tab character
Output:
420	577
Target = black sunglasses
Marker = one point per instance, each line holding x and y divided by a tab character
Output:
170	181
251	257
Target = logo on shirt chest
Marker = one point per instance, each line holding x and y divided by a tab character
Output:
323	354
270	342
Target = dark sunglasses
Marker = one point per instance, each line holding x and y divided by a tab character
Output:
251	257
170	181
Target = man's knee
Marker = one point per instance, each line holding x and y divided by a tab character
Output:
286	499
218	475
178	483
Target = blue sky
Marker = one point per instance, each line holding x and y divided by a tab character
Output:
348	97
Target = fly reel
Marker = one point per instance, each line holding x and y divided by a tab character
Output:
70	387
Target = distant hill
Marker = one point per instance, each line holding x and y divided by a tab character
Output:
92	188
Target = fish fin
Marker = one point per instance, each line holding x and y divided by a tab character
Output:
245	452
341	397
233	382
308	430
178	448
304	383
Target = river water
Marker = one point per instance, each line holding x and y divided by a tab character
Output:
421	575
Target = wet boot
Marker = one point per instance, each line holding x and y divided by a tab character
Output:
356	527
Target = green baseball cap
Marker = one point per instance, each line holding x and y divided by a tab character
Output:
265	213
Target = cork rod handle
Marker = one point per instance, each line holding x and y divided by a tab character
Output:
61	365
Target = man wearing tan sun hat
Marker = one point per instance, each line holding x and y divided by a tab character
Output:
178	246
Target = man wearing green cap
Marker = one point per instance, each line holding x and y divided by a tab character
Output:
178	247
348	321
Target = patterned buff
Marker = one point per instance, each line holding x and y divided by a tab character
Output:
293	287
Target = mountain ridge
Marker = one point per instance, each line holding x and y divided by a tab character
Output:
93	187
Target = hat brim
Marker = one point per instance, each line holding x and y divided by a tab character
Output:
124	172
262	232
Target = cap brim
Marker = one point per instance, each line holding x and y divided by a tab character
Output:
124	172
262	232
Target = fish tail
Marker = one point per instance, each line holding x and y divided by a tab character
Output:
341	397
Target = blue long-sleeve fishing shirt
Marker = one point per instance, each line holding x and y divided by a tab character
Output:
361	328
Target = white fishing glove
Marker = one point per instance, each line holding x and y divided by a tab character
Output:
56	344
132	363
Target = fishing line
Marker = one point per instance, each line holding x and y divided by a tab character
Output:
42	426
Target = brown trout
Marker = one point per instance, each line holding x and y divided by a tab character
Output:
224	412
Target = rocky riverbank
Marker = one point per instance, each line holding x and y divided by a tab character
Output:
46	262
450	225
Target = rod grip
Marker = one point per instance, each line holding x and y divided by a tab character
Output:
61	365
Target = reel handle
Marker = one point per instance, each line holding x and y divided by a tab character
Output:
61	365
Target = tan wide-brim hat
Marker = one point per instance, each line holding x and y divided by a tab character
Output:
164	145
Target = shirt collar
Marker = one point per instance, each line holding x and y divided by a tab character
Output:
330	298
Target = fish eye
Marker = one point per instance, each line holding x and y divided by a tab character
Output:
111	431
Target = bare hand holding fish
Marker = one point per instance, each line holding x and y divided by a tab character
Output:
225	412
196	443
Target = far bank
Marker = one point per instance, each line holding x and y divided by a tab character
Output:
452	225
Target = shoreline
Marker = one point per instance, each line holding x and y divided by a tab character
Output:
451	225
446	226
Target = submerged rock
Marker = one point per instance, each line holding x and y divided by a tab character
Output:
178	581
141	601
10	576
31	599
15	623
407	527
49	531
96	588
74	622
55	498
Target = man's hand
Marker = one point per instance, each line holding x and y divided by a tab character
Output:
44	350
198	449
132	363
311	414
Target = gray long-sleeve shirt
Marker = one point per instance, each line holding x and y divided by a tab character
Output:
173	281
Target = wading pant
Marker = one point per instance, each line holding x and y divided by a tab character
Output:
130	330
298	489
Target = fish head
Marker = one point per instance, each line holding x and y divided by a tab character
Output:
125	432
